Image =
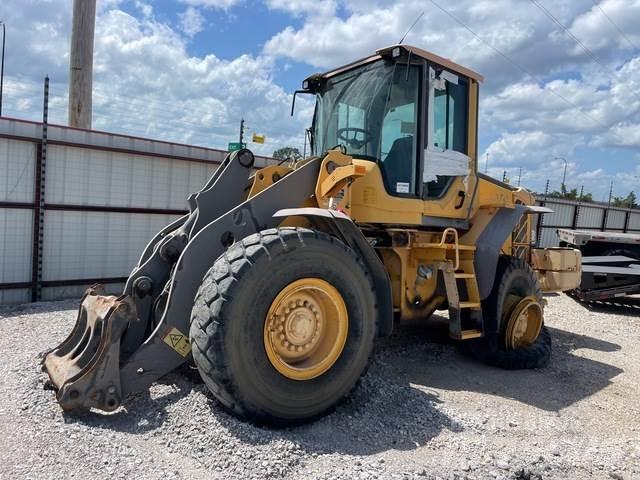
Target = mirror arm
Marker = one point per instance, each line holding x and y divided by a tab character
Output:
293	102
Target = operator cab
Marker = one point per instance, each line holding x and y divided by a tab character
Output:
405	109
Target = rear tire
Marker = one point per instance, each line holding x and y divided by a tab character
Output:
515	277
228	324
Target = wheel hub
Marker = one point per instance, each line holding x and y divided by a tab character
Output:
524	323
305	329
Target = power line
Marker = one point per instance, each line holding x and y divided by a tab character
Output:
511	61
568	32
577	40
633	45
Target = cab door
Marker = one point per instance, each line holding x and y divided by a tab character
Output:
449	164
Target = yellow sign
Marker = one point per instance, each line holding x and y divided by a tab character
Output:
258	138
178	341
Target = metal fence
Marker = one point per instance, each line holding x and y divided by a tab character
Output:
77	207
583	216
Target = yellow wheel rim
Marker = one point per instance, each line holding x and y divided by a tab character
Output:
524	323
306	329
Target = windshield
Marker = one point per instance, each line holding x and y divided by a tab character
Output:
372	112
355	109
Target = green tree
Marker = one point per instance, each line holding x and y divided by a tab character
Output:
572	194
587	197
287	154
630	201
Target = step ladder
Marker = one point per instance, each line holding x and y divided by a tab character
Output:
452	274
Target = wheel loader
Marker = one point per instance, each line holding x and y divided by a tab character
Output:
278	282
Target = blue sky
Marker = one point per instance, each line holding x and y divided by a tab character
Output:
188	70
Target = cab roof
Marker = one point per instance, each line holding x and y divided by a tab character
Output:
406	50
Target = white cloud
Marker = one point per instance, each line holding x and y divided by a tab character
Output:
514	27
146	83
223	4
524	148
322	41
191	22
624	134
38	35
591	174
320	8
600	34
145	8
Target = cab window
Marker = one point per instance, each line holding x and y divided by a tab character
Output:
449	129
398	143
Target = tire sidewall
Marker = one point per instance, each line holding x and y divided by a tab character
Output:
513	275
261	388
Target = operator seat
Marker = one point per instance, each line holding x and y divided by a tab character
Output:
398	165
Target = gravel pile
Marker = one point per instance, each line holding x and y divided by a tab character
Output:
423	410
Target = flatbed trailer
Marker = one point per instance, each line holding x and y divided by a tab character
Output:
610	263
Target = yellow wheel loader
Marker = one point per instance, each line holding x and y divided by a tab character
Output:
278	282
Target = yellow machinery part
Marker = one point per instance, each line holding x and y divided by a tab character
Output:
306	329
523	323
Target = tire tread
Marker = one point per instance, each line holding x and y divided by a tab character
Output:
207	329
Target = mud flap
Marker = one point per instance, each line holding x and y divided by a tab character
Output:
84	369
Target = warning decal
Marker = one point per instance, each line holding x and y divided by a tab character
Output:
178	341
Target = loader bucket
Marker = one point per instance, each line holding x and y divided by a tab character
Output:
84	370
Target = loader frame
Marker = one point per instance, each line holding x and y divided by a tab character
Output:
419	250
160	291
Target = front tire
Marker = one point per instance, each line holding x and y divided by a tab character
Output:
239	309
514	280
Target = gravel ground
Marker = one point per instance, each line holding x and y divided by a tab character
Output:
423	411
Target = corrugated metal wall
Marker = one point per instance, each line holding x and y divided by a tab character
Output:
573	214
105	197
17	163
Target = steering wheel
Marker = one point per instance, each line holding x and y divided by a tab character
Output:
352	140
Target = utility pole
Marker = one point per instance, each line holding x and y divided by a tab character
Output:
4	34
486	163
241	130
519	176
610	193
81	63
564	176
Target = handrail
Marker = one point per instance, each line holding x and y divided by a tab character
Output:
445	235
